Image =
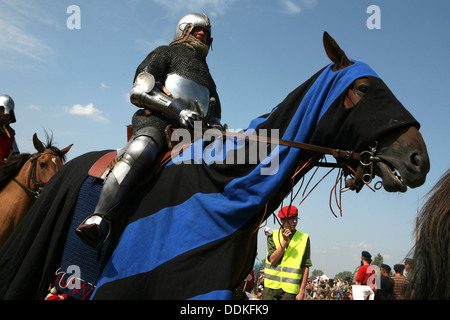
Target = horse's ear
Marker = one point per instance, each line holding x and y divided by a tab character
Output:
38	144
66	149
335	53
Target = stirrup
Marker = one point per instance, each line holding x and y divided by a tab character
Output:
93	234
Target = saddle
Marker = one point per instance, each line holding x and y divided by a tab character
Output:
104	164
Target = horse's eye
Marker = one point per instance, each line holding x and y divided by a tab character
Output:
363	88
42	164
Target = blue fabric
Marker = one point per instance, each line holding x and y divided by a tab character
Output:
180	229
75	251
214	295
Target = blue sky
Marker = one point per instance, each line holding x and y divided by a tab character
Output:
75	83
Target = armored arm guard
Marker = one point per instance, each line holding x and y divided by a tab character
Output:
144	94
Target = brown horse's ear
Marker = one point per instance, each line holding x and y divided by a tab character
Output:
335	53
38	144
66	149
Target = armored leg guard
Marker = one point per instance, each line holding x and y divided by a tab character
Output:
139	154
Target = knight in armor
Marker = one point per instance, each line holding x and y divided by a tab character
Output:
8	144
172	86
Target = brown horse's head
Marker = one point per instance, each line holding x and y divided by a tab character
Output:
22	178
46	162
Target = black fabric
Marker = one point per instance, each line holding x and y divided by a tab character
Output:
387	287
7	131
219	268
376	114
282	114
31	256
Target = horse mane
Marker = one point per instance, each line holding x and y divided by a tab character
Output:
432	253
56	150
14	164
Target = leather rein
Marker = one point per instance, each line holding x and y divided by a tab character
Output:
363	173
38	187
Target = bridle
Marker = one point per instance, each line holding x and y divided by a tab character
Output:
365	159
37	186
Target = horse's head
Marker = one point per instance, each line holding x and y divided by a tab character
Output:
366	115
46	162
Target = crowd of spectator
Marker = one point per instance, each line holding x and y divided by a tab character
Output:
392	284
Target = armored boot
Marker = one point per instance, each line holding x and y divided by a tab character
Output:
128	172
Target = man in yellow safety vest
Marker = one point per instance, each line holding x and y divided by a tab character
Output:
288	259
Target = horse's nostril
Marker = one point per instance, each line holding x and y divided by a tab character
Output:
416	159
420	161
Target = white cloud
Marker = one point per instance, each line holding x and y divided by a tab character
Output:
361	245
387	257
126	97
15	40
291	7
17	36
28	10
211	7
297	6
88	111
104	86
34	107
310	3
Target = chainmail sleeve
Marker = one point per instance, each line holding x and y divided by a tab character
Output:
156	63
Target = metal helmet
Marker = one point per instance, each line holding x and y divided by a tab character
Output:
197	20
8	104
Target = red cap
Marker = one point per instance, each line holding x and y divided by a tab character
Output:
288	212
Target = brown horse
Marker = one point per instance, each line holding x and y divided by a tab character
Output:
22	179
432	250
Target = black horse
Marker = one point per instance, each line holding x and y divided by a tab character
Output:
188	233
